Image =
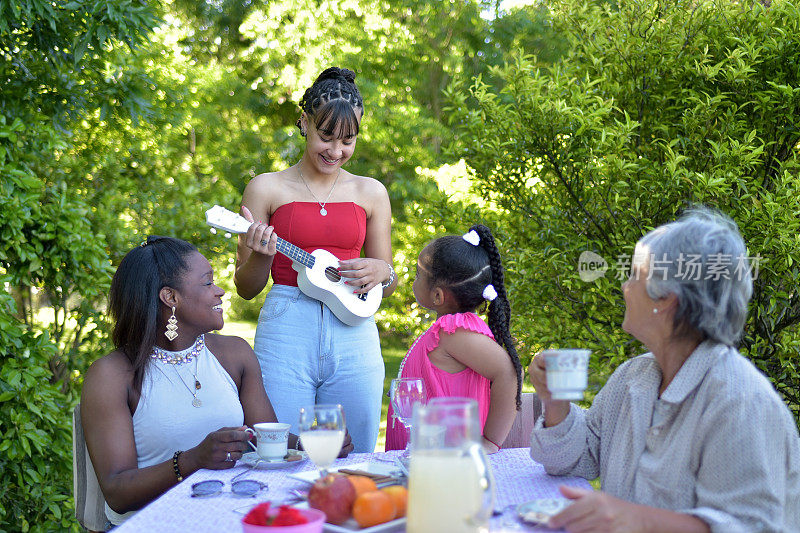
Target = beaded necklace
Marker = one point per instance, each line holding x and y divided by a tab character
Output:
180	357
405	357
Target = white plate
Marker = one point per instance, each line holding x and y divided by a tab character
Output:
540	511
252	459
352	525
382	468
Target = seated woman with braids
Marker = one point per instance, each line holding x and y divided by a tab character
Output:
460	355
172	397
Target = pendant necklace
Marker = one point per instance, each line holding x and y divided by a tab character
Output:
179	358
195	400
322	210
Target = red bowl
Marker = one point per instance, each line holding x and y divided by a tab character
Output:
314	525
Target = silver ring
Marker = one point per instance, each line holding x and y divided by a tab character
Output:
228	457
263	242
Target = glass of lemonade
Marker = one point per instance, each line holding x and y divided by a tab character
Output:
322	434
450	483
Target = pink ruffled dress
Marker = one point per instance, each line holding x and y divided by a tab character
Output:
416	364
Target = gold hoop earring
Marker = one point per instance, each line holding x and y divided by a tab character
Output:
172	326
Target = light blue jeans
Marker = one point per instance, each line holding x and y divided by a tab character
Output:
309	356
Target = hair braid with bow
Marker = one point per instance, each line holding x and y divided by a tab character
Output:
465	269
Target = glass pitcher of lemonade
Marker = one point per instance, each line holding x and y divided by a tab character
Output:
450	483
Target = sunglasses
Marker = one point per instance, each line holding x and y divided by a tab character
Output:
246	488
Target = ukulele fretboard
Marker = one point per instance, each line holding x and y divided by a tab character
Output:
295	254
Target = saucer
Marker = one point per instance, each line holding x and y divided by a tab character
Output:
540	511
252	459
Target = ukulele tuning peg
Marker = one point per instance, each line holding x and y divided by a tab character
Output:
214	231
227	235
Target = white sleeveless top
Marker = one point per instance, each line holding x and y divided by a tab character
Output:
165	420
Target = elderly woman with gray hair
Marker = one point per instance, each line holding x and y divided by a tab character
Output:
690	436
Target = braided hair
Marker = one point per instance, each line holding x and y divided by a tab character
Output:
332	103
465	270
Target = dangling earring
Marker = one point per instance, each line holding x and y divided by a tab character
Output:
172	326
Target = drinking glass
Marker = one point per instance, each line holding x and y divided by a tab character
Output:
405	392
322	434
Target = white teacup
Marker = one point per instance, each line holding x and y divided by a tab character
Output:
566	373
273	439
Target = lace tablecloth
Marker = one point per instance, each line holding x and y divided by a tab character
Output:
517	479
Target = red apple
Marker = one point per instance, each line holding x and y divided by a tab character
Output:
333	495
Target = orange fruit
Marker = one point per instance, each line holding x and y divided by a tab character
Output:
373	508
362	484
399	495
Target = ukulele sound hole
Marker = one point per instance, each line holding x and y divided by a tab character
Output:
333	275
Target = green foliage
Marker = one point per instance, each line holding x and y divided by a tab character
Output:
250	64
115	124
656	105
35	437
120	119
58	64
56	56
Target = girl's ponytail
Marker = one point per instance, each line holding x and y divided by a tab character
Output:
500	309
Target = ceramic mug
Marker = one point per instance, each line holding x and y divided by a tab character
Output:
273	439
566	372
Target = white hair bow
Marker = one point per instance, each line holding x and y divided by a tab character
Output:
472	237
489	293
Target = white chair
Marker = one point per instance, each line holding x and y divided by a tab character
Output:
520	434
90	506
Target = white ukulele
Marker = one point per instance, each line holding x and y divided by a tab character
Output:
317	272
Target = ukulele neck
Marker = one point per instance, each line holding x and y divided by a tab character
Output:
295	253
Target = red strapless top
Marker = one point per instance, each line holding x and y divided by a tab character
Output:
341	232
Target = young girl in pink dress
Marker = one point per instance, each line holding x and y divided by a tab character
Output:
460	355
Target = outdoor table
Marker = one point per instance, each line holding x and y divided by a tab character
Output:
517	478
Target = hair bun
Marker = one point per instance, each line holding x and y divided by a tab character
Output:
336	73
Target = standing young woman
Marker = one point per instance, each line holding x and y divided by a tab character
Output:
311	356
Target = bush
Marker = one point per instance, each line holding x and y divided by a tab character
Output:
655	106
62	62
35	432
